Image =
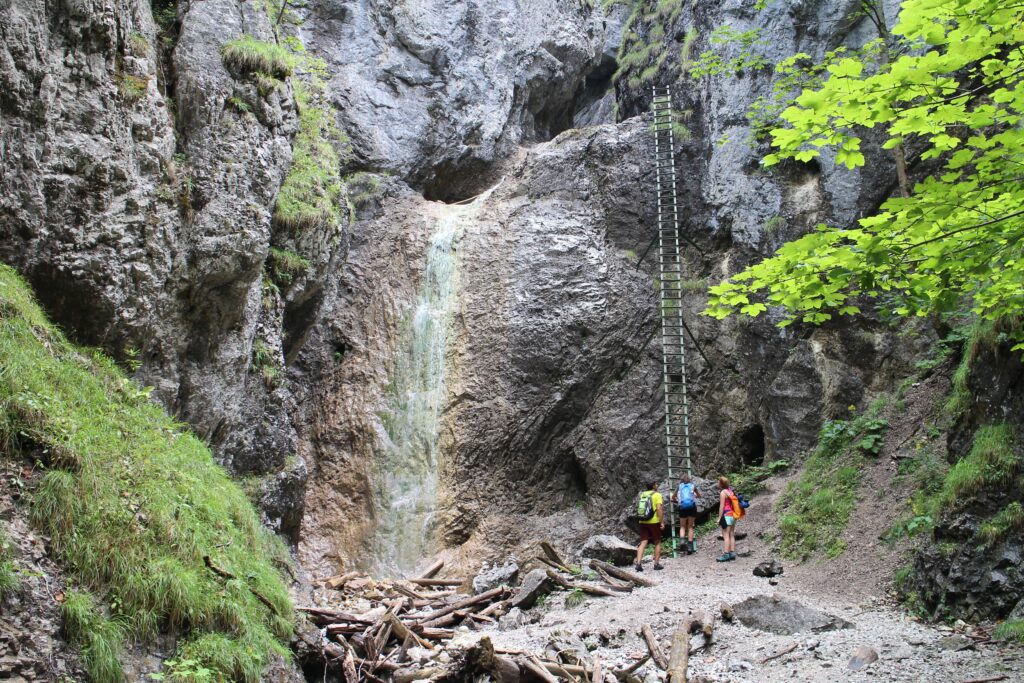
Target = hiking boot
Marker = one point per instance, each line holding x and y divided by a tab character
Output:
732	556
724	557
693	546
657	567
639	567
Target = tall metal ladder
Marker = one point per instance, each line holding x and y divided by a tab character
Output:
677	408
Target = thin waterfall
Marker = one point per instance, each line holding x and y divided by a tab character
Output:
408	468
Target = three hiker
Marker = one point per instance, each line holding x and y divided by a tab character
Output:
651	511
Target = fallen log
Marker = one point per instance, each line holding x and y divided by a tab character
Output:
402	631
431	571
615	584
332	615
437	582
553	564
486	596
989	679
653	647
679	655
532	665
550	551
597	675
336	582
623	574
438	633
348	667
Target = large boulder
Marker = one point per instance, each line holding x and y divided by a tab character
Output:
491	577
608	548
536	584
784	616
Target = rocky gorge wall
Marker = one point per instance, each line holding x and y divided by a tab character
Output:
139	181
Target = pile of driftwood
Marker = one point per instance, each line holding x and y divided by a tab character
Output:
406	634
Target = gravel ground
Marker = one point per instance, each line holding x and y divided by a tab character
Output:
855	587
908	650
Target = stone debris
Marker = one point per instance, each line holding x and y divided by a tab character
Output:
862	657
784	616
491	577
768	569
610	549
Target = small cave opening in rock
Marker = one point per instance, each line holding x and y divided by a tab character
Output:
453	182
752	446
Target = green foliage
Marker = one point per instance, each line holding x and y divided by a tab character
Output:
311	195
138	44
9	579
1012	630
1008	520
726	40
142	506
816	508
284	265
750	480
248	55
773	225
955	92
98	637
640	59
361	189
992	463
239	105
982	334
686	51
132	88
575	598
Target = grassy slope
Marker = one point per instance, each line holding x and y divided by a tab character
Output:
134	503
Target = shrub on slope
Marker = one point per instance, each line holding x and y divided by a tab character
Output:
136	508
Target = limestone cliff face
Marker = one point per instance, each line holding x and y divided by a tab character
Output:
140	176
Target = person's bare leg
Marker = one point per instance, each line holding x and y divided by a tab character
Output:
730	540
657	553
640	551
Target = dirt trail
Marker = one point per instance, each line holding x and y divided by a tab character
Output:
854	587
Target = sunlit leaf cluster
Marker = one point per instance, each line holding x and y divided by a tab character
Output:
954	96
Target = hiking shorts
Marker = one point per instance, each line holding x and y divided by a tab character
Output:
726	521
686	511
650	532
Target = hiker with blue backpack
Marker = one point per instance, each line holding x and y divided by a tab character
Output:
686	498
650	511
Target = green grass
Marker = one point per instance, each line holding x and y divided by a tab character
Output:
284	265
1010	630
248	55
133	504
816	508
311	195
132	88
686	51
575	598
1008	520
750	480
99	638
993	463
10	582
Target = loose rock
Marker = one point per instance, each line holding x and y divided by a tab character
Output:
862	657
610	549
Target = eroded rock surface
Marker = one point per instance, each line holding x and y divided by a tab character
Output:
785	616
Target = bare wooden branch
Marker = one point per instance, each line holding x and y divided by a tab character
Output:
228	575
783	651
597	676
623	574
486	596
437	582
403	631
550	551
653	647
616	584
534	666
679	655
431	571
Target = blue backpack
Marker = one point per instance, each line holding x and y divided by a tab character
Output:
686	497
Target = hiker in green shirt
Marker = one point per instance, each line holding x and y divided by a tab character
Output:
652	523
